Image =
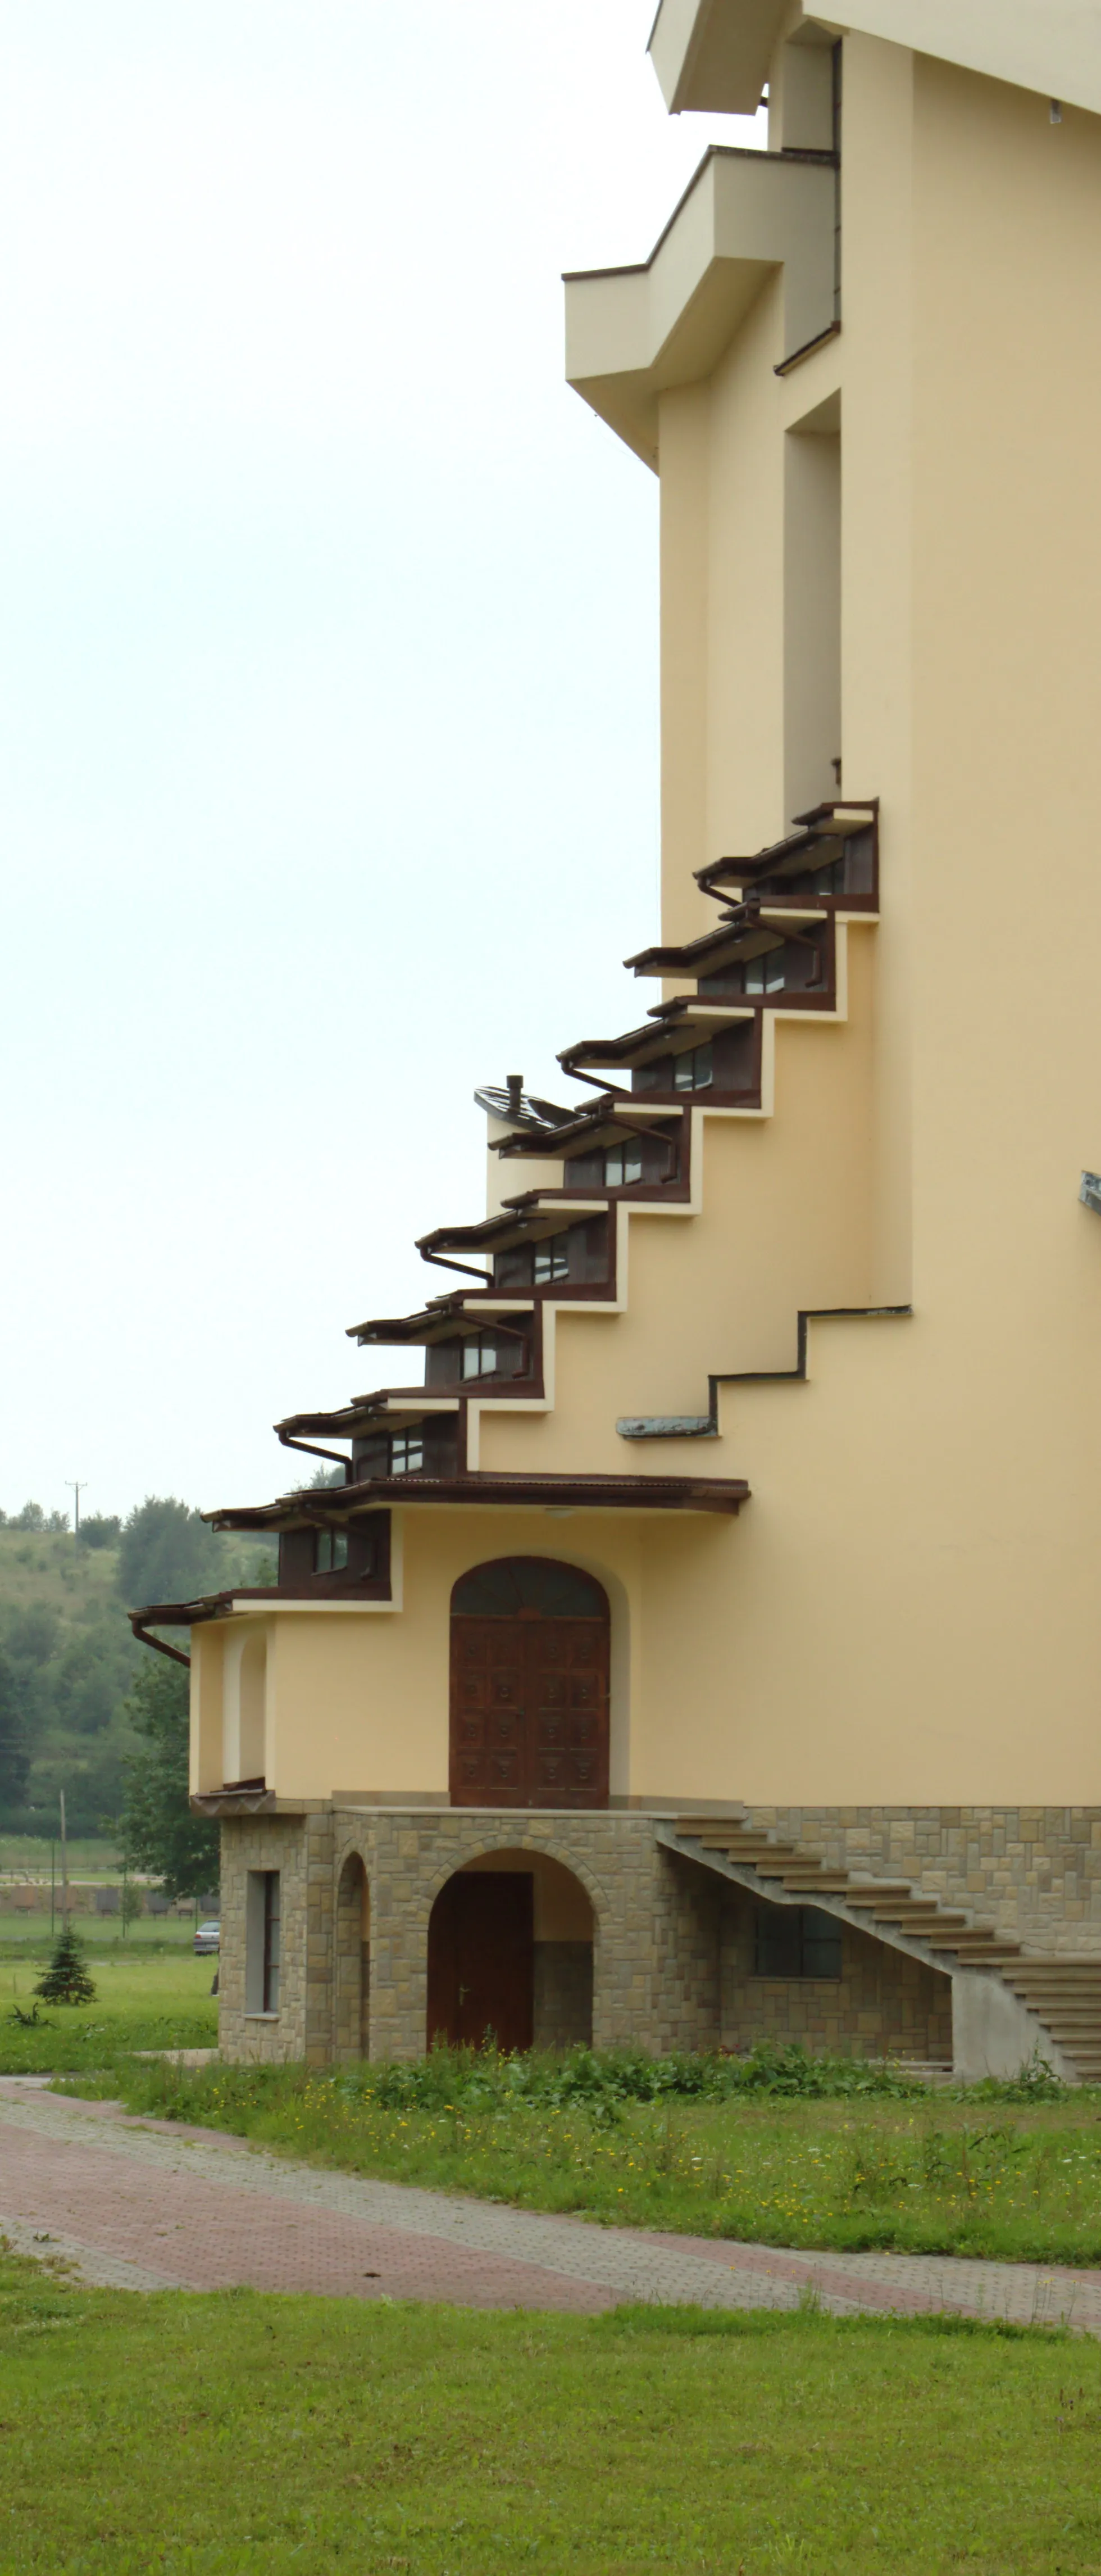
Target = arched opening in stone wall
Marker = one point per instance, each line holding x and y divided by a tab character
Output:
351	1963
510	1953
530	1662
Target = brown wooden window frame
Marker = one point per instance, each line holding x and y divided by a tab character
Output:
629	1158
700	1074
479	1357
407	1453
550	1260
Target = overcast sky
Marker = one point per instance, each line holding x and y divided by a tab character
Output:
328	686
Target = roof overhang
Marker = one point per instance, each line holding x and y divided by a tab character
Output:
633	334
520	1492
715	54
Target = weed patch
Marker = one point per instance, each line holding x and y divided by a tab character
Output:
686	2145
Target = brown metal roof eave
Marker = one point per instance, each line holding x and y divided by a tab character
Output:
816	825
357	1415
408	1328
190	1614
320	1506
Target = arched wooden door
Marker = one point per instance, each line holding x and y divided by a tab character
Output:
529	1686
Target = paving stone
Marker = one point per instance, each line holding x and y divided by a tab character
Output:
150	2205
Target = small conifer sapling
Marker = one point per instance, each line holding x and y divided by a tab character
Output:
66	1980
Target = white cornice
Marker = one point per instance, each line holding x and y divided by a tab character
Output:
715	54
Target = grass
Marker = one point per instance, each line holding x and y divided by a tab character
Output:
149	1994
27	1856
973	2175
28	1936
47	1566
238	2431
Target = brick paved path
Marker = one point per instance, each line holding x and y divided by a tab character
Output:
150	2205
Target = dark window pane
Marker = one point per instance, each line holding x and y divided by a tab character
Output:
821	1943
776	1941
514	1583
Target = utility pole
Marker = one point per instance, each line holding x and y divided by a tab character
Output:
77	1490
64	1869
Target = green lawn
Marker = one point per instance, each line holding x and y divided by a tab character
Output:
27	1936
930	2174
239	2431
150	1993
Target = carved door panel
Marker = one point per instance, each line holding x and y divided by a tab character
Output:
529	1712
488	1746
567	1700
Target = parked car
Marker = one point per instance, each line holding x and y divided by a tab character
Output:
207	1939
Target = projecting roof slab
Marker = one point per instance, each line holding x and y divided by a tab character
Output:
715	54
633	333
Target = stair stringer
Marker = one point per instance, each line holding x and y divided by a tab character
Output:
993	2030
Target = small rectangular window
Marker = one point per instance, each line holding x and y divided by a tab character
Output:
552	1260
766	973
263	1909
796	1941
407	1453
692	1072
330	1551
272	1913
479	1357
622	1165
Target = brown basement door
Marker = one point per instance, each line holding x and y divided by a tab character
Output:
529	1686
480	1960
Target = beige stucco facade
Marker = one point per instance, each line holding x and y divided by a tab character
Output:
867	369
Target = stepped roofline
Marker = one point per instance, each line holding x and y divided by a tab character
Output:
714	55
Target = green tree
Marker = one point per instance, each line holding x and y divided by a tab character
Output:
167	1553
66	1980
90	1677
15	1760
100	1529
159	1832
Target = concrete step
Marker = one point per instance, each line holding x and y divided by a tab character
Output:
869	1892
801	1883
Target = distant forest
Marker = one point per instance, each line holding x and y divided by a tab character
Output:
68	1662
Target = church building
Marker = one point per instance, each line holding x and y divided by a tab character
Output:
701	1645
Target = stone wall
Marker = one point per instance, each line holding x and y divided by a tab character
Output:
1034	1872
882	2004
563	1993
655	1952
300	1848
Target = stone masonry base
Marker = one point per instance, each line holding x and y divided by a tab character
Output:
670	1965
1033	1872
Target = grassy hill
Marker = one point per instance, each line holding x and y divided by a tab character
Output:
69	1660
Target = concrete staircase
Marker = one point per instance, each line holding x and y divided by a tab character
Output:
1063	1995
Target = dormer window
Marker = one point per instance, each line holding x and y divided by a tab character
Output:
407	1453
330	1551
622	1165
480	1358
692	1071
766	973
552	1260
